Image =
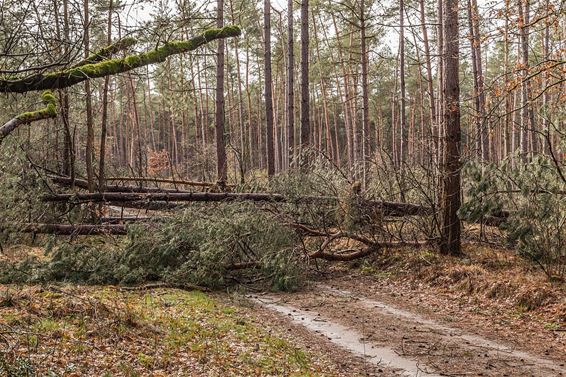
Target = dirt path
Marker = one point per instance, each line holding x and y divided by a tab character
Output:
389	337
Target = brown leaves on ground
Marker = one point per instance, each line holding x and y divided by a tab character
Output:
484	273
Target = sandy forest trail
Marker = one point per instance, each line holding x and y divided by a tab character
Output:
396	339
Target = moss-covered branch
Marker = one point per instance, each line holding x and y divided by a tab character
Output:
49	111
74	75
107	52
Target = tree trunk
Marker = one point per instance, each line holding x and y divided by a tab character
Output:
366	151
527	121
104	121
290	83
88	100
221	163
482	137
268	88
305	109
440	76
69	230
430	84
450	237
402	99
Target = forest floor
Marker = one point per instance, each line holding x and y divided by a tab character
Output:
402	313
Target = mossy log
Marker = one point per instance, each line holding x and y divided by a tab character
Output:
77	74
49	111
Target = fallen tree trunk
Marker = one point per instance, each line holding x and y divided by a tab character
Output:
148	206
166	180
385	207
128	219
68	229
83	184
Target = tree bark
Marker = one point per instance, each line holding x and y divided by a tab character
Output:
89	152
482	135
394	209
450	236
305	109
403	117
527	116
366	147
268	89
221	163
290	98
430	84
104	120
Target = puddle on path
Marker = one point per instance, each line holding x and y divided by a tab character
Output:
348	339
494	348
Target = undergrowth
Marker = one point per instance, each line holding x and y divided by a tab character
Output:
201	246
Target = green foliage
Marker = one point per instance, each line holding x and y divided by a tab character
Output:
538	226
480	191
201	246
533	195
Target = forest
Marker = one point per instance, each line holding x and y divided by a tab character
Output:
282	188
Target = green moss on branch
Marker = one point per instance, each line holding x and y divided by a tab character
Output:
49	111
75	75
107	52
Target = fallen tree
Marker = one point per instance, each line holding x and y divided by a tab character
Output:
83	184
167	180
387	208
67	229
128	219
